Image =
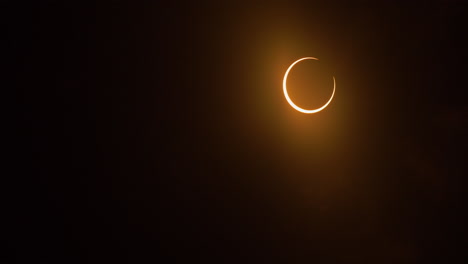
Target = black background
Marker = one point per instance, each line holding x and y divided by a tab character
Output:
159	132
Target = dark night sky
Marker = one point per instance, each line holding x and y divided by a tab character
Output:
159	132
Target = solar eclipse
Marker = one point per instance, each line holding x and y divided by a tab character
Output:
293	105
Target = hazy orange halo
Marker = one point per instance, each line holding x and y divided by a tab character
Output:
285	90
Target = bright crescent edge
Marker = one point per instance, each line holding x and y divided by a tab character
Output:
305	111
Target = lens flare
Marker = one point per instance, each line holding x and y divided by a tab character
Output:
285	90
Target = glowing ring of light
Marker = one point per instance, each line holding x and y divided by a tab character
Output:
305	111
